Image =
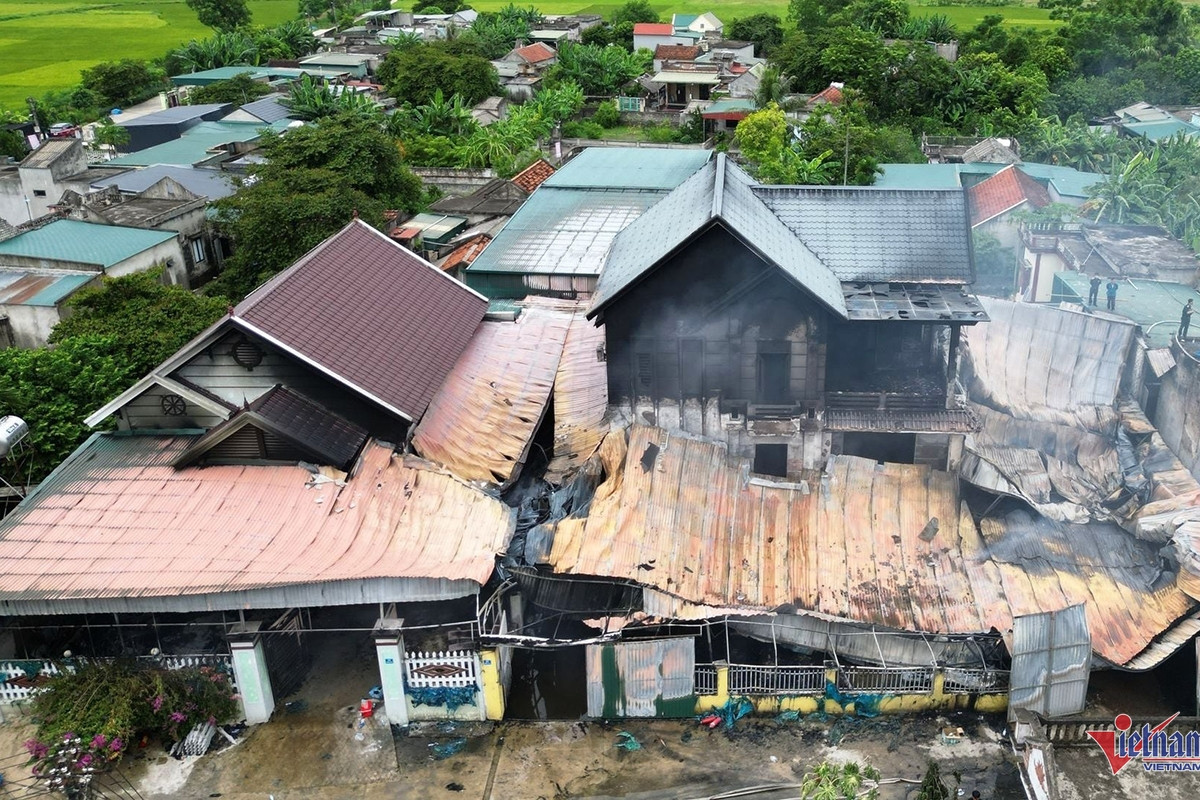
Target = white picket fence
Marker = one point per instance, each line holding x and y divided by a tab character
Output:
9	670
442	668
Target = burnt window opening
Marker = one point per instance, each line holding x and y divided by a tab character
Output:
774	384
643	368
771	459
39	192
889	448
691	367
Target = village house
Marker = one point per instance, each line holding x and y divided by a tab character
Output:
28	190
44	265
169	124
267	110
207	144
164	206
526	60
649	35
706	25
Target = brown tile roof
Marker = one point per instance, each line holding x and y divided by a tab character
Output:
462	256
676	52
370	313
536	53
831	94
534	175
1004	191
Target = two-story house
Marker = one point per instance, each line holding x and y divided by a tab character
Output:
761	316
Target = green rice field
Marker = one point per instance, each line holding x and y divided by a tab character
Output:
45	43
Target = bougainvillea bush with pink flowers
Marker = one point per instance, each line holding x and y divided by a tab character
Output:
100	707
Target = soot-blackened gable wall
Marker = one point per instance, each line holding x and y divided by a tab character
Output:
715	320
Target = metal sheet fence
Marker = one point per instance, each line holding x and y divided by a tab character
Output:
18	684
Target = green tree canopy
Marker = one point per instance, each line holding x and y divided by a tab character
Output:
413	75
633	12
314	181
764	30
123	83
221	15
239	89
597	70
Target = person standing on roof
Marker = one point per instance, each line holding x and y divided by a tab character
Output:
1110	291
1185	319
1094	290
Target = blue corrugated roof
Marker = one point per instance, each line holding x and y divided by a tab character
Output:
1068	182
210	183
170	116
1161	129
83	242
194	145
629	168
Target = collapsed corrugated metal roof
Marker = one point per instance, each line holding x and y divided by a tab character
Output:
482	421
117	528
1042	363
677	515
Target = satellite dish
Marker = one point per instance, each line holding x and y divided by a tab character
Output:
13	431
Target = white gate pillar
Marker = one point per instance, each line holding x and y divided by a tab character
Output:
250	670
389	649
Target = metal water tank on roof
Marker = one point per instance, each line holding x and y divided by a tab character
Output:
12	431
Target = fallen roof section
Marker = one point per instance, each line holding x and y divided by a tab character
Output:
481	423
117	528
677	515
1044	363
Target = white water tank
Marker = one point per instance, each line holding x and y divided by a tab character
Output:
12	431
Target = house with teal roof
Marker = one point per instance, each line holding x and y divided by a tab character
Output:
41	268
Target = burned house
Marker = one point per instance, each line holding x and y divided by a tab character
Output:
758	316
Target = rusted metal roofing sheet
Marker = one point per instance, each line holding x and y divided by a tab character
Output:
116	521
482	420
675	514
1040	362
580	398
1160	360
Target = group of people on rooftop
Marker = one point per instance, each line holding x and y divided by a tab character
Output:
1110	293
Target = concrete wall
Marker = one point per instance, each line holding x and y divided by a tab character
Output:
169	252
31	325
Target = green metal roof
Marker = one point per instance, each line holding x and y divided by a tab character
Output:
1160	130
683	20
194	145
730	106
207	76
1143	301
629	168
83	242
1066	181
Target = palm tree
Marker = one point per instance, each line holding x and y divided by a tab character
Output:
1133	194
772	86
442	117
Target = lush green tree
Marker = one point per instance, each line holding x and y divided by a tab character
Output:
633	12
235	48
239	89
885	17
597	70
314	180
764	30
125	82
811	15
493	35
221	15
933	28
12	144
53	389
107	133
150	320
607	114
310	100
413	75
772	86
